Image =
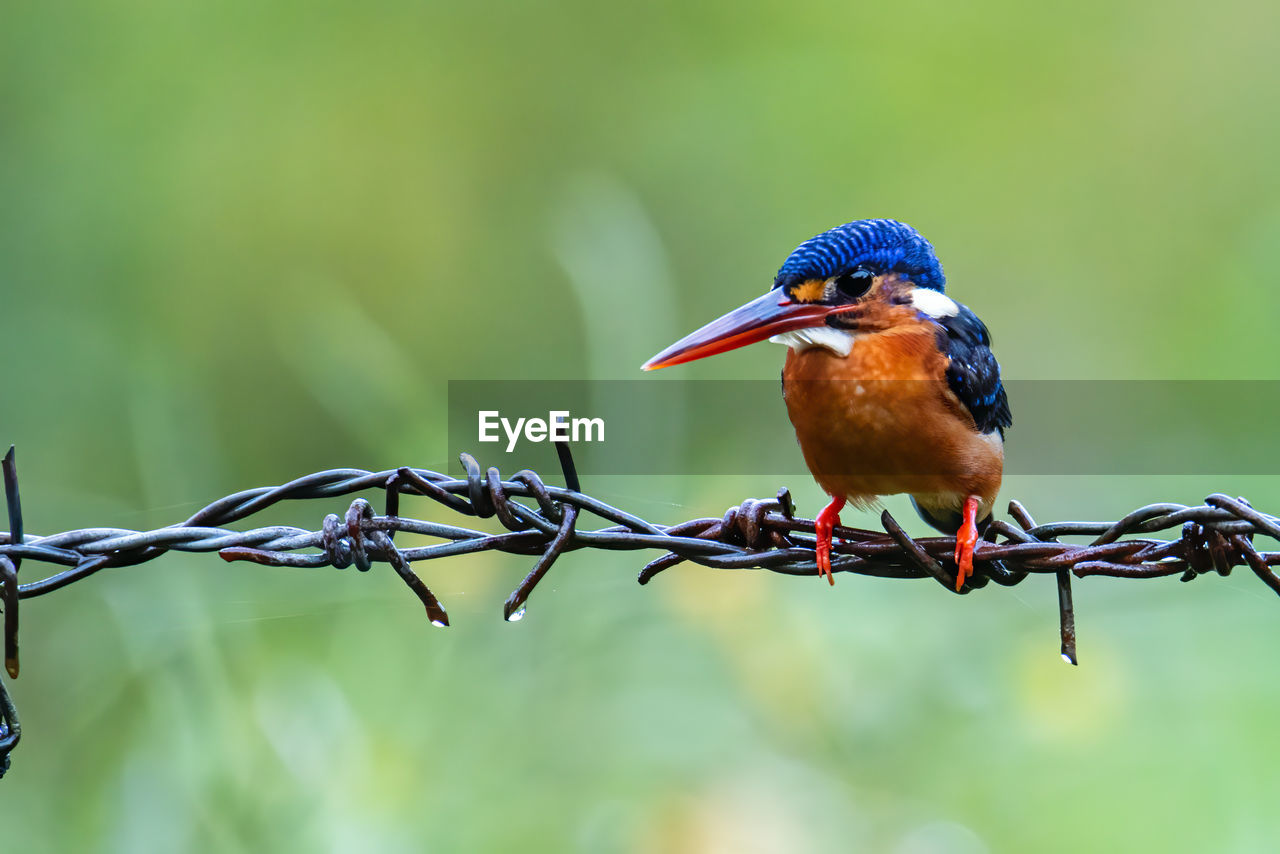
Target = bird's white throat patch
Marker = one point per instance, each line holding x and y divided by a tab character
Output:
836	340
934	303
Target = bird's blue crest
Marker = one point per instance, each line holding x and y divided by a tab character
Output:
884	245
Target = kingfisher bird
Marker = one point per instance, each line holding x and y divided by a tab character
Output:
890	384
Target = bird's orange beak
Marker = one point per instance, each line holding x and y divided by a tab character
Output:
771	314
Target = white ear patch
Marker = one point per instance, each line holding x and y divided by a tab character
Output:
934	303
836	340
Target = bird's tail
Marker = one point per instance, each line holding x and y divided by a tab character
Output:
947	521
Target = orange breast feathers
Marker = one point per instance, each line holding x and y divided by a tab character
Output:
883	421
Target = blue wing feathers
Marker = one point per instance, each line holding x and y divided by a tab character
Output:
973	373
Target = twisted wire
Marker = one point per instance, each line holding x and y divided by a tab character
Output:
757	534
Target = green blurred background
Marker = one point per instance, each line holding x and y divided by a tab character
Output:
244	241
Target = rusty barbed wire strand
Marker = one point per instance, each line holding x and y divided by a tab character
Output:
757	534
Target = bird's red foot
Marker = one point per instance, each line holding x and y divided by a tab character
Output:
966	539
827	519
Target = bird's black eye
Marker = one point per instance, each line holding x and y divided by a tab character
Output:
855	284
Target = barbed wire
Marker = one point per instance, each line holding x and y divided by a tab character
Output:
757	534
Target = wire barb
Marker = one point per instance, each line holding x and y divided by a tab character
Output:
9	567
546	521
1066	609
